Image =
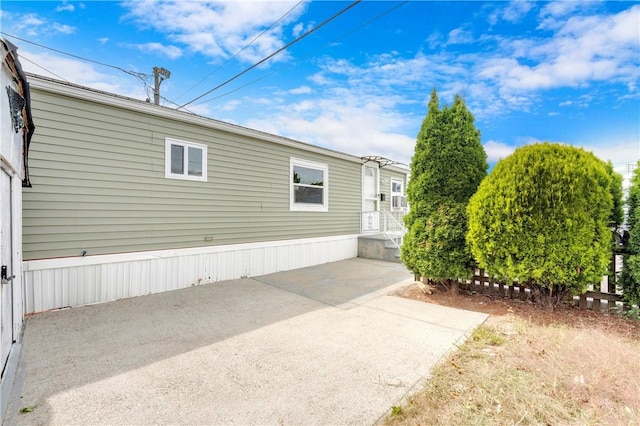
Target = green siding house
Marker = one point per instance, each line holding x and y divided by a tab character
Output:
130	198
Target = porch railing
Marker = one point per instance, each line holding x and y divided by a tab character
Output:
390	223
393	226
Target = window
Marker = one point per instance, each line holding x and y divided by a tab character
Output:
185	160
398	200
309	182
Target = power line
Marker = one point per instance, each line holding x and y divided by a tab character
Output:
140	76
274	53
41	67
133	73
241	50
370	21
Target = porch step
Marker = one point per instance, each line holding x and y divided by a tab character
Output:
378	247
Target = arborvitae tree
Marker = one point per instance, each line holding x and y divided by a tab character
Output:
542	217
448	164
630	280
617	213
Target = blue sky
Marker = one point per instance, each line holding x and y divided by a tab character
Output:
529	71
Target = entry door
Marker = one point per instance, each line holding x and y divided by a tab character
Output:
370	189
370	206
6	257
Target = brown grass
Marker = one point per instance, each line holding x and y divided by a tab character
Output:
515	371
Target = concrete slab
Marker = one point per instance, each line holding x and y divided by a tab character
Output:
238	352
340	283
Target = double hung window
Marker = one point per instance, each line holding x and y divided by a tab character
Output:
398	199
308	186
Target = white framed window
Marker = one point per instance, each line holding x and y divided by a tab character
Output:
398	199
309	190
185	160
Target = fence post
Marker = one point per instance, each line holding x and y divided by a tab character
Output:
583	302
522	293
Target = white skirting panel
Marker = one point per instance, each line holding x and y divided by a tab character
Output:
64	282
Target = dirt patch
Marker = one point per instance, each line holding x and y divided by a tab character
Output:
502	308
528	365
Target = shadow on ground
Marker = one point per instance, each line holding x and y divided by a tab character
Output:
273	349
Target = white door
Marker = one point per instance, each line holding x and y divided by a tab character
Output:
370	189
370	203
6	258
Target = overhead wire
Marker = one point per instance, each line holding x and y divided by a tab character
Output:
41	67
140	76
242	49
176	104
144	77
291	43
343	35
133	73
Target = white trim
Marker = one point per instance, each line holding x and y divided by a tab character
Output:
58	283
185	176
309	207
38	82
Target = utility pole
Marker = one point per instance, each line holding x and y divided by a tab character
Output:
159	75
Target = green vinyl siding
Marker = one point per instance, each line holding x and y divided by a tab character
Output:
98	175
386	174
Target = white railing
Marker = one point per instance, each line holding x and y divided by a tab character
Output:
393	226
390	223
370	222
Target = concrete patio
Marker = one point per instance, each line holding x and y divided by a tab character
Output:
319	345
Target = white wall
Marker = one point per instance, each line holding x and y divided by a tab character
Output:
76	281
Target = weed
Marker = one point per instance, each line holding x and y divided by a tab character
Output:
545	374
28	409
633	313
487	335
396	410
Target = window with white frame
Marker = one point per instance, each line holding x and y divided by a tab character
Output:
185	160
308	186
398	199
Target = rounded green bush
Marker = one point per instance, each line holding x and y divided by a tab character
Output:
541	217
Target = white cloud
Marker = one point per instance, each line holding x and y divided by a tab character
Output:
580	102
103	40
554	13
65	7
63	28
350	120
516	10
460	36
497	150
623	154
513	12
219	29
171	52
80	72
302	90
33	25
361	108
298	29
231	105
583	50
618	151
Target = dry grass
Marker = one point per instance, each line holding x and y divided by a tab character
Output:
516	372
